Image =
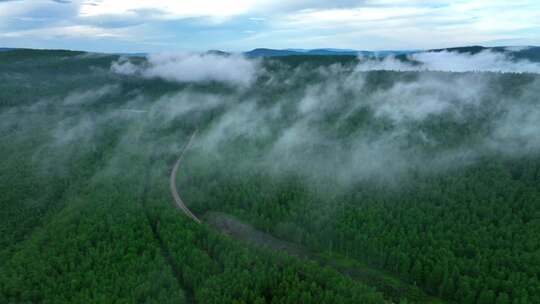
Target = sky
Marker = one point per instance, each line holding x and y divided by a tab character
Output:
240	25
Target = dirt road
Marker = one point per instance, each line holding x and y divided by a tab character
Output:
179	203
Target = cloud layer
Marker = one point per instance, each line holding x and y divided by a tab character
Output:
348	127
192	67
485	61
143	25
335	123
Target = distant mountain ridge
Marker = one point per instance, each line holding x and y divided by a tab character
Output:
531	53
264	52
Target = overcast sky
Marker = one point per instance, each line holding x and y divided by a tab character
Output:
236	25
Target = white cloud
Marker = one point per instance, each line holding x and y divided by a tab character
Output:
71	31
380	24
358	24
124	67
428	96
78	98
191	67
168	9
355	15
206	8
486	61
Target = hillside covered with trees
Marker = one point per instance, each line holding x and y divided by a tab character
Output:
402	181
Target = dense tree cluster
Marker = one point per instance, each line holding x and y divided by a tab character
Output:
467	233
86	215
471	236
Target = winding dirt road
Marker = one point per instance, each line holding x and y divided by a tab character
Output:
179	203
228	225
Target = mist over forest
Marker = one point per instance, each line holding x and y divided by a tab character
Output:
338	118
408	178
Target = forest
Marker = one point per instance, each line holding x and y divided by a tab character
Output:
398	180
